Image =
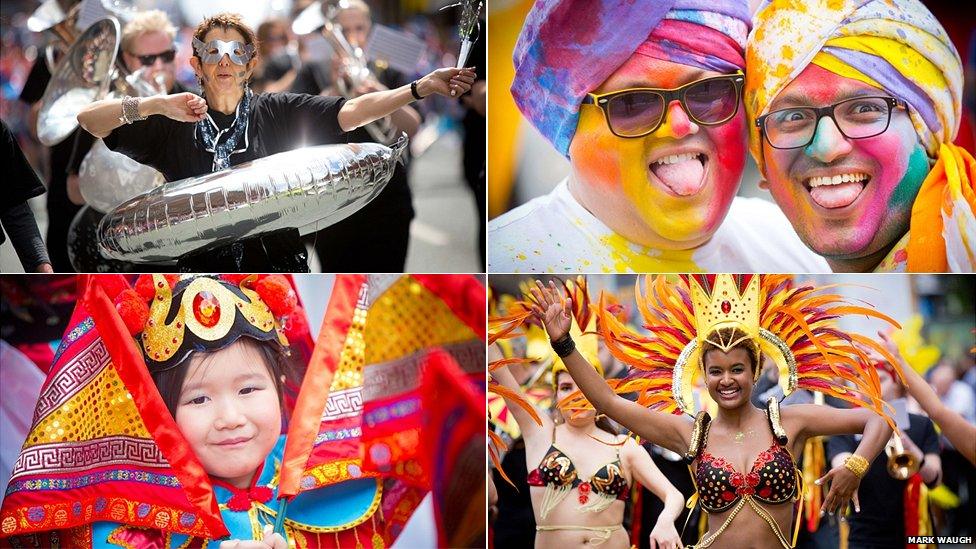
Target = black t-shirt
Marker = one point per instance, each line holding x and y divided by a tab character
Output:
22	183
278	122
882	498
395	200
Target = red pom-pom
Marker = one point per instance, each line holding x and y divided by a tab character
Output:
278	294
239	502
133	310
296	324
260	494
113	284
146	286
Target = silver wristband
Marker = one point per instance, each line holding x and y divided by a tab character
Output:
130	110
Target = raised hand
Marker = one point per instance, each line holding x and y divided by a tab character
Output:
552	309
182	107
447	82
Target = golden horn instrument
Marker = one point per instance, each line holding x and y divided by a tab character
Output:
357	71
901	463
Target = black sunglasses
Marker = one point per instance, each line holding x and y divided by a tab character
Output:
637	112
167	57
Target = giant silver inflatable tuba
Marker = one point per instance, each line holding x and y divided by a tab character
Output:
307	189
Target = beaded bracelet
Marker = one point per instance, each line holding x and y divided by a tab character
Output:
130	110
856	464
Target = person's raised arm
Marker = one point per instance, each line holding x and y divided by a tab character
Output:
960	432
101	117
366	108
663	429
531	431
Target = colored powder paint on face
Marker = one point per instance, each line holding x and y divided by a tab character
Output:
907	189
615	173
894	159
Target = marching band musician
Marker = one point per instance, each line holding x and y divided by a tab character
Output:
358	239
147	42
892	485
230	125
16	217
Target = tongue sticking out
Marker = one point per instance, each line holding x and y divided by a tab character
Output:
836	196
683	178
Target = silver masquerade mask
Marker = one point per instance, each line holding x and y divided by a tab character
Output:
214	50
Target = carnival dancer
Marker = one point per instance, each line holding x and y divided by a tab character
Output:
217	353
719	326
230	124
853	108
582	455
643	98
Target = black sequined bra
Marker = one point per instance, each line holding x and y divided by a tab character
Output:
772	479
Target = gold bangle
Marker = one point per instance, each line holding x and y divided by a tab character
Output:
856	464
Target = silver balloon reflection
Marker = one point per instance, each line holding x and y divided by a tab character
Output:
107	178
307	189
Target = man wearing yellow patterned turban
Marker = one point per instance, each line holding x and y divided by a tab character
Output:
853	106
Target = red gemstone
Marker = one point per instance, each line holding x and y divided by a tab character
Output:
584	488
583	498
728	496
765	492
726	307
206	309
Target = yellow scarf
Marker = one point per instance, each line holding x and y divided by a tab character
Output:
943	225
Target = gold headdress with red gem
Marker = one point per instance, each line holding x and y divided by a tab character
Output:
795	326
204	313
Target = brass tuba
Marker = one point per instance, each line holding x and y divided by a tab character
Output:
901	463
60	17
90	66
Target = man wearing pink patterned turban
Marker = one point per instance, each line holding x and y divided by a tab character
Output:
644	99
855	104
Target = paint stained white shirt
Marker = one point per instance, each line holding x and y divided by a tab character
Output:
555	234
